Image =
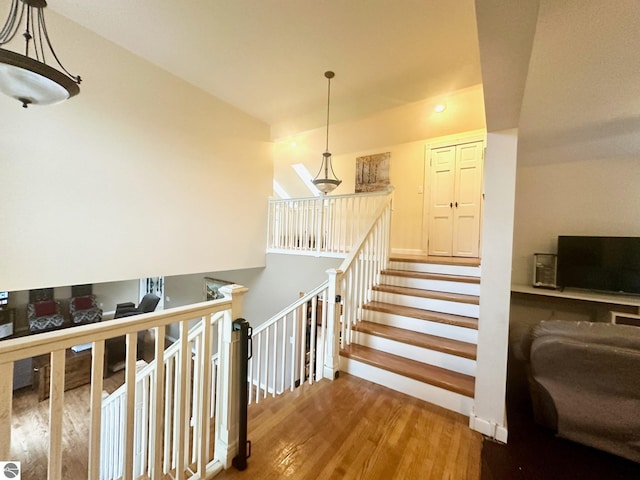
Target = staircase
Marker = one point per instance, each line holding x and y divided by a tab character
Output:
418	335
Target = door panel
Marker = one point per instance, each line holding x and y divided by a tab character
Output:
468	185
455	199
442	193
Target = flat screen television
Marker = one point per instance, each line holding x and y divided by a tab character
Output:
605	264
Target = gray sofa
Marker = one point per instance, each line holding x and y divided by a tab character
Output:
584	380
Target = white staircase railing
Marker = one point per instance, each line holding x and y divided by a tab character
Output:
327	226
302	342
360	271
175	426
288	349
112	441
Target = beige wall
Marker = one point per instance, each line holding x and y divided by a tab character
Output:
142	174
591	197
404	131
271	289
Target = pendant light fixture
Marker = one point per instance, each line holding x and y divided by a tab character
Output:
327	184
31	80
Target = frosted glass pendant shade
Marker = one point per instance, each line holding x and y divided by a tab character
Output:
326	185
32	82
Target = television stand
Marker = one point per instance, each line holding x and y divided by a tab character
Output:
584	295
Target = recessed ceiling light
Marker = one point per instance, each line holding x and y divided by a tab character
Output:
441	107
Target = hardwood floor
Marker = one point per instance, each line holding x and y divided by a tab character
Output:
30	430
354	429
348	428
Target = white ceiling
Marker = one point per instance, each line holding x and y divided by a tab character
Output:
567	73
268	57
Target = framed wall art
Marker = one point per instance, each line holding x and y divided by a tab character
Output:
372	172
212	288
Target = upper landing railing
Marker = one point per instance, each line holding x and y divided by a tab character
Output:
199	439
326	226
302	342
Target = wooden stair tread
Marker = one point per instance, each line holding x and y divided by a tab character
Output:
418	292
421	314
431	276
422	372
463	261
423	340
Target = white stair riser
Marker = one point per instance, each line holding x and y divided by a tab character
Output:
469	335
428	284
438	396
442	306
436	268
419	354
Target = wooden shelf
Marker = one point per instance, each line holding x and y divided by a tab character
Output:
570	294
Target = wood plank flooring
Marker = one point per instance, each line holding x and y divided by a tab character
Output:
30	430
354	429
346	429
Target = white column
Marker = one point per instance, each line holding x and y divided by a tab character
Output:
332	350
489	413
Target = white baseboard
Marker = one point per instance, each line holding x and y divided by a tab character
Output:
488	428
407	251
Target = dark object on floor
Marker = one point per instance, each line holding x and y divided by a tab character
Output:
533	453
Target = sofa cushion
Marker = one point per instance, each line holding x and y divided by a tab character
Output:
83	303
47	307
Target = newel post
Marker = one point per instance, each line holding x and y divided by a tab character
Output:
226	446
332	346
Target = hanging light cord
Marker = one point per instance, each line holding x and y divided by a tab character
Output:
10	27
36	30
329	76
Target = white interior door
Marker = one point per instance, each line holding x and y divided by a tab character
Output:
455	200
442	168
466	211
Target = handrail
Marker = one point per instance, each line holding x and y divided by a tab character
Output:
174	445
269	372
360	243
150	367
321	226
292	307
359	272
288	349
380	193
33	345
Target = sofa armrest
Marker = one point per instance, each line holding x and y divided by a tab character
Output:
594	391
